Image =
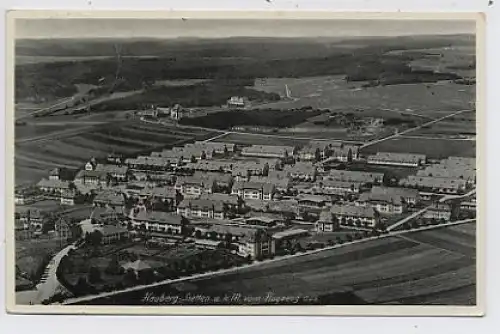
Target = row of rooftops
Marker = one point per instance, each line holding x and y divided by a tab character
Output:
271	150
265	187
354	176
403	158
433	182
396	196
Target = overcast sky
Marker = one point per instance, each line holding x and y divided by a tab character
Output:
172	28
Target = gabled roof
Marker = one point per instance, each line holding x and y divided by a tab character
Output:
159	217
350	175
398	157
267	149
111	169
110	197
91	173
396	191
167	192
265	187
353	211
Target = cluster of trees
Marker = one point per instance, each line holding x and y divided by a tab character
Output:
96	280
229	119
207	94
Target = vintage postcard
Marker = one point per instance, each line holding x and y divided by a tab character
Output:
245	163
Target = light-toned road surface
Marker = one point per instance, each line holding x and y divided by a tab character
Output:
413	129
450	197
48	286
404	220
270	136
215	137
41	110
441	200
255	264
63	134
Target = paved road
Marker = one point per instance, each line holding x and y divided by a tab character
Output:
250	133
255	264
441	200
450	197
49	285
64	134
413	129
36	111
404	220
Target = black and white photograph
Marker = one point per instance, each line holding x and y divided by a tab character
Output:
167	162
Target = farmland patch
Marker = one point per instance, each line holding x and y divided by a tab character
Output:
433	148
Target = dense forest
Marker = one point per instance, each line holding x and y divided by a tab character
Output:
147	61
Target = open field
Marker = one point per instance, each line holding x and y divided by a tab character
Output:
332	92
393	270
34	159
381	271
260	139
433	148
463	124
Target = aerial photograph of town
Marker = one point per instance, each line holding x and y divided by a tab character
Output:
244	162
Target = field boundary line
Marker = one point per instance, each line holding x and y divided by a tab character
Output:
255	264
399	134
433	246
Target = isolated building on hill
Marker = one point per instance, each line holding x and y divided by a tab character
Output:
397	159
268	151
238	102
